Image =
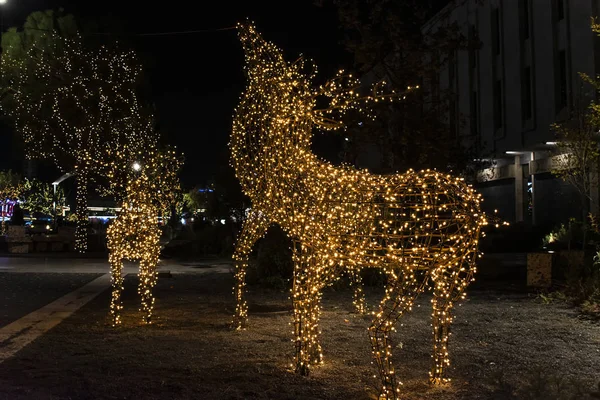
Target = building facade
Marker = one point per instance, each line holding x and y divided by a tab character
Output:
521	77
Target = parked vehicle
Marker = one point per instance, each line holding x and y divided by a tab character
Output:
38	226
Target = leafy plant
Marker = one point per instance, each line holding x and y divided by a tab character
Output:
39	197
272	266
11	188
559	235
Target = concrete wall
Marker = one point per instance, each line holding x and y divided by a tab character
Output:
499	195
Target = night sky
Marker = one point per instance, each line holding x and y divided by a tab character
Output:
196	78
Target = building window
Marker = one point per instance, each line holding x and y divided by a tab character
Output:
474	118
496	31
498	104
561	87
560	10
525	22
526	97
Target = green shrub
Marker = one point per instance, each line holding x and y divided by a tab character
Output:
573	235
272	266
558	236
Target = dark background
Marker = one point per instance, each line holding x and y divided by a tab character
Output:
196	78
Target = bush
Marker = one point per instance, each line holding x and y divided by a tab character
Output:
515	238
200	240
272	266
580	271
557	237
573	235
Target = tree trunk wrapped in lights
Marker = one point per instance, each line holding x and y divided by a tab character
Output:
81	211
421	228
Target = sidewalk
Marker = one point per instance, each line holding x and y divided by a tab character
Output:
71	264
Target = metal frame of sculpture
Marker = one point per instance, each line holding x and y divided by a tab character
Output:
422	228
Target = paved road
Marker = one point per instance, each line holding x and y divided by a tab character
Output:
21	294
29	283
100	266
37	293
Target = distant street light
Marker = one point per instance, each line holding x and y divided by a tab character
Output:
2	1
136	165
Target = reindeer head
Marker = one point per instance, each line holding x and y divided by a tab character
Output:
274	121
276	107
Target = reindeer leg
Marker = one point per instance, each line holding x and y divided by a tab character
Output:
314	344
400	295
254	228
447	291
116	272
148	276
359	301
306	298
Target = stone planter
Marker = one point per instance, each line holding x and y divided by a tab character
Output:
58	246
17	241
539	269
19	247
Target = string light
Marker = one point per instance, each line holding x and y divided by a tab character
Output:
422	227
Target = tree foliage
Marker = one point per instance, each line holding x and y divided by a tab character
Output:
388	42
39	197
577	147
73	102
11	188
11	185
578	162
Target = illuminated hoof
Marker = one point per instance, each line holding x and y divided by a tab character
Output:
302	369
317	359
439	381
388	394
239	324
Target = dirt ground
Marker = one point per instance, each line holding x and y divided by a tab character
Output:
505	345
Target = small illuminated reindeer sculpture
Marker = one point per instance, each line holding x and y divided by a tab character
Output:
422	228
134	235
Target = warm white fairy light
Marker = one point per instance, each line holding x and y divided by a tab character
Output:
422	227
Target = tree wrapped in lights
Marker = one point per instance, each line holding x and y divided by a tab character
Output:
134	235
40	197
71	104
11	189
421	228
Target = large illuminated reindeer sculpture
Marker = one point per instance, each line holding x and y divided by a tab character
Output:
422	228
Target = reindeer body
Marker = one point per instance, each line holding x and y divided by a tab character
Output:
341	218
